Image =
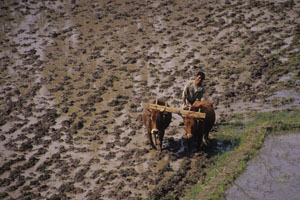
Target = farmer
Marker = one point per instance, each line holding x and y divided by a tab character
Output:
193	91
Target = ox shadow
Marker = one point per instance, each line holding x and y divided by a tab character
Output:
181	148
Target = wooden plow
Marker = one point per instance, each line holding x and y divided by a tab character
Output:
177	111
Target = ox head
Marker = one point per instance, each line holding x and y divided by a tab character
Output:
157	120
192	126
158	124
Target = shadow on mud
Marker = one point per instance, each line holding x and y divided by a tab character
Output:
191	166
181	148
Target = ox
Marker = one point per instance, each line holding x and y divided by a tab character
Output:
196	128
156	122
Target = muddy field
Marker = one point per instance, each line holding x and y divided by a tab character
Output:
75	75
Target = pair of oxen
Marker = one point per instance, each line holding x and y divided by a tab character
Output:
197	129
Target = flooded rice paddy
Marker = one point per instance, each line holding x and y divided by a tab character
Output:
75	75
273	174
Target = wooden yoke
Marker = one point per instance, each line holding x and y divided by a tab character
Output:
177	111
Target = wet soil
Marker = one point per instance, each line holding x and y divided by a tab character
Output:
75	75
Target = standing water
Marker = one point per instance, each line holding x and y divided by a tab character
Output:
273	174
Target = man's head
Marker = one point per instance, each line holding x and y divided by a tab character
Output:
199	78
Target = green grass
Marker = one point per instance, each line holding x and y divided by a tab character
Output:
250	130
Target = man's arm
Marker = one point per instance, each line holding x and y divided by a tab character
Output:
184	96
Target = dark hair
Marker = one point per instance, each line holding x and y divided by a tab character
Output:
201	74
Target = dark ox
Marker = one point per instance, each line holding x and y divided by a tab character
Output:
197	129
156	122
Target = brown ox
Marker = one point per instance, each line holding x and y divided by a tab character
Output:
197	128
156	122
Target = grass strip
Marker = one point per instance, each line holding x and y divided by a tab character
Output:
246	135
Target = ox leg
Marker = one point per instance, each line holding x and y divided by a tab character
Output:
189	143
150	139
160	139
205	139
155	138
199	144
199	140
